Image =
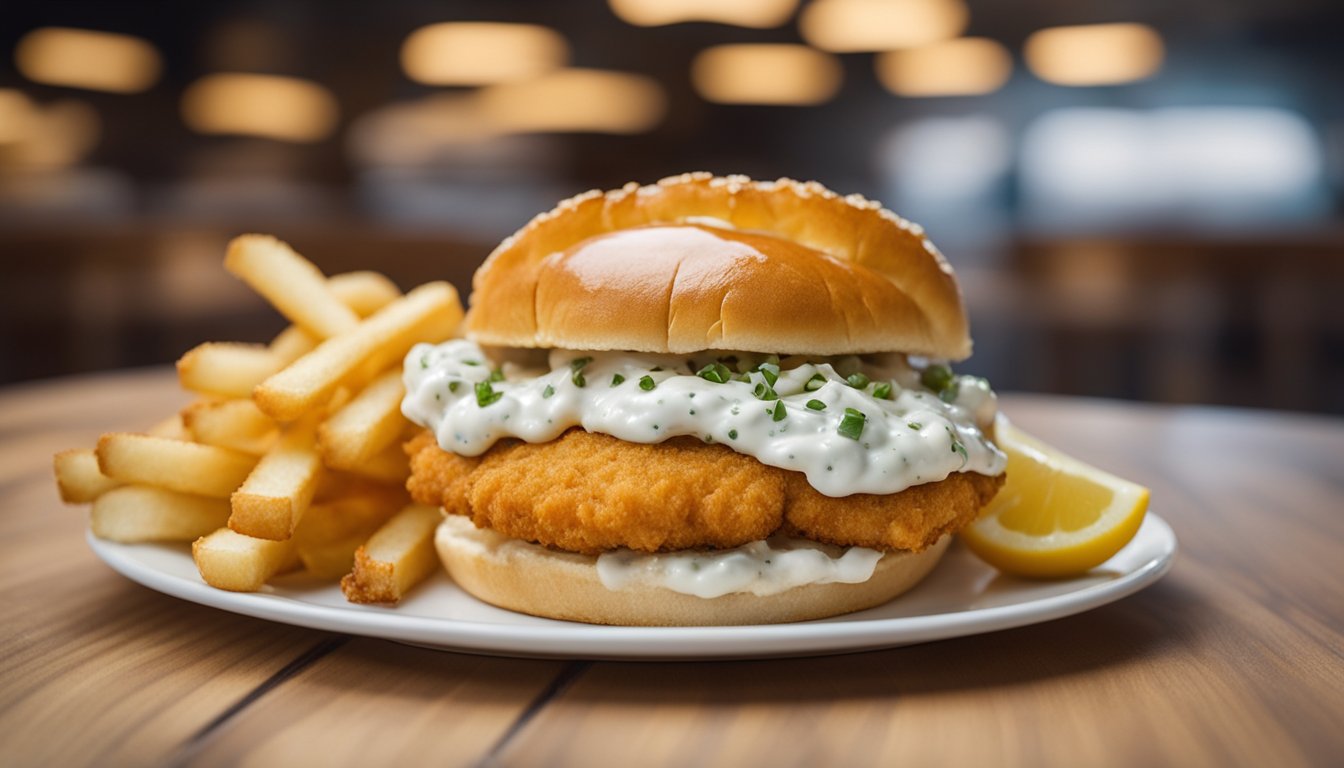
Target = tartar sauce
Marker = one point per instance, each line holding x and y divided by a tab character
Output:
761	568
849	425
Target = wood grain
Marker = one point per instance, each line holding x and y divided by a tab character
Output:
1236	657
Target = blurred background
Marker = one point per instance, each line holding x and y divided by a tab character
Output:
1143	199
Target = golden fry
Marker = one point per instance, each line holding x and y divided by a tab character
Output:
363	292
367	425
204	470
275	495
226	369
428	313
238	563
135	513
396	558
78	478
238	424
291	283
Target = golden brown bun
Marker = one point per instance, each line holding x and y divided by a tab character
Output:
519	576
801	271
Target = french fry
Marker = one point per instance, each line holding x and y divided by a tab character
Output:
229	560
78	478
329	534
390	465
238	424
171	427
226	369
397	557
367	425
134	513
205	470
289	345
291	283
275	495
428	313
363	292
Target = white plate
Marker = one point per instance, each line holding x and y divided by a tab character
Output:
963	596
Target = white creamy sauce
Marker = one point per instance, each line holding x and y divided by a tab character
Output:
884	446
760	568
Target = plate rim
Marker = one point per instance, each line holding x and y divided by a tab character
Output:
572	640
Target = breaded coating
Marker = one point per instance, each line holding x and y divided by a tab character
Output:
579	493
589	493
913	519
439	478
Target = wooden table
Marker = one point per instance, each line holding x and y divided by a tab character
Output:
1236	657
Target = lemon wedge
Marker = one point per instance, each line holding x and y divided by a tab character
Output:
1055	516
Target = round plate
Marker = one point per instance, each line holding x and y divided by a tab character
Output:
963	596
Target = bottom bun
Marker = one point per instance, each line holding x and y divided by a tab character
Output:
528	578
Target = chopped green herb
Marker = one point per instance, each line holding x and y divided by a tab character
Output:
547	392
816	382
957	446
857	380
936	377
764	392
715	372
742	377
471	362
915	425
770	371
852	424
882	390
647	383
424	361
816	405
576	365
616	379
779	413
486	394
453	385
496	375
732	434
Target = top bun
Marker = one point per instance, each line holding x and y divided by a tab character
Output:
698	262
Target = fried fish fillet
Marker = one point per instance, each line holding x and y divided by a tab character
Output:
588	493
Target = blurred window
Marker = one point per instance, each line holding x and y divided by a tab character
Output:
1224	166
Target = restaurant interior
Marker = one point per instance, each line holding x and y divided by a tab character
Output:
1142	199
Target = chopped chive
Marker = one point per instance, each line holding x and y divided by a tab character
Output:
486	394
852	424
647	383
424	360
770	371
882	390
616	379
779	412
957	446
732	434
936	377
547	392
857	380
471	362
576	365
816	382
764	392
816	405
915	425
715	372
496	375
453	385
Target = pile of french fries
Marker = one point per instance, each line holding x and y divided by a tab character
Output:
291	456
